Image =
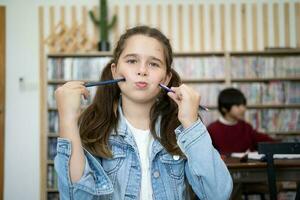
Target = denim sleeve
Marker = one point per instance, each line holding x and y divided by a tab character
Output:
94	181
205	170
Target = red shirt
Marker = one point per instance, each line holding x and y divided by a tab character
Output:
238	137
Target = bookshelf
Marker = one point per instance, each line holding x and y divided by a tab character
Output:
265	77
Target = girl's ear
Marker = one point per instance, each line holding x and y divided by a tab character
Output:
113	68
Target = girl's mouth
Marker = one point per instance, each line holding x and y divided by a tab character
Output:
141	85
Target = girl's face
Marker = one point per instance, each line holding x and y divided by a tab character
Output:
237	112
142	64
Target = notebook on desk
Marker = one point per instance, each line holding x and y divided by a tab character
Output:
255	156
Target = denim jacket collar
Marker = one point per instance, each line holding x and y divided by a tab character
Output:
123	130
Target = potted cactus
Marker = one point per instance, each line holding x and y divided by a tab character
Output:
103	25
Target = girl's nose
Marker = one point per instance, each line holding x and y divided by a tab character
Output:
142	71
142	74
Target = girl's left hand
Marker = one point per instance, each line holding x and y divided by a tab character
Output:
188	101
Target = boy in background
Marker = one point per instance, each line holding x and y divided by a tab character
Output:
230	133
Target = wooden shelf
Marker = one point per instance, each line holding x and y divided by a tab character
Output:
52	135
109	54
271	106
83	54
198	54
52	190
262	106
50	162
276	52
274	106
63	81
270	52
207	80
55	109
265	79
52	109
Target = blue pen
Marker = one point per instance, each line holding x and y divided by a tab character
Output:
91	84
169	90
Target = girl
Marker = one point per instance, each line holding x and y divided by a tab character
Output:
135	141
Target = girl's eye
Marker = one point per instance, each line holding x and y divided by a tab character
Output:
154	64
131	61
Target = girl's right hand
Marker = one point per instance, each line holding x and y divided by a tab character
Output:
68	100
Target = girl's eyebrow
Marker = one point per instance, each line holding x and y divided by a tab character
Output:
136	55
130	55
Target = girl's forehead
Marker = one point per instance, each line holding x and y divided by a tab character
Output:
143	45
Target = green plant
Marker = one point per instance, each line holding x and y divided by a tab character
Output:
102	22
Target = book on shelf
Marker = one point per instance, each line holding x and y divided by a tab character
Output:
274	120
52	142
200	67
51	102
272	93
265	66
208	92
52	121
51	177
76	68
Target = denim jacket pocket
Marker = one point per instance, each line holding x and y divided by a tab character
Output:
174	165
113	164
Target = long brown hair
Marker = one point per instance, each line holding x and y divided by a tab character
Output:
101	117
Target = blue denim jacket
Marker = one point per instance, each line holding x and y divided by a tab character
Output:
120	176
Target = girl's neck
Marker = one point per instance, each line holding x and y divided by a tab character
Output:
138	114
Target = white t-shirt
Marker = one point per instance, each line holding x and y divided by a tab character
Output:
143	140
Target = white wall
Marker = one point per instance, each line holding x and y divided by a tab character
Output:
22	163
21	179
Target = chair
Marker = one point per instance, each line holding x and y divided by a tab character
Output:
269	149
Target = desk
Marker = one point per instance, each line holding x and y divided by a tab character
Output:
255	170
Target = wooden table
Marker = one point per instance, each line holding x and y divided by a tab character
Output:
255	170
251	176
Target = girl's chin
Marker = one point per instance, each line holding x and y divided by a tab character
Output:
141	98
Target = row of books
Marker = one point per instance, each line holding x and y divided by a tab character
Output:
53	121
188	67
76	68
273	93
265	66
208	92
52	142
277	92
200	67
51	102
275	120
51	177
269	120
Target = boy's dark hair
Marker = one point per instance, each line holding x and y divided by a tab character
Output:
228	98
